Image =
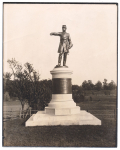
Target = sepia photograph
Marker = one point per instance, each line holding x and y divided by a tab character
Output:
60	74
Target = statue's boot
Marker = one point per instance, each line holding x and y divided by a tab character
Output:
65	58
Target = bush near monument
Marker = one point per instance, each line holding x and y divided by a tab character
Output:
77	92
41	95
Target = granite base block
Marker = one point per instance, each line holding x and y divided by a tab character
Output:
62	111
43	119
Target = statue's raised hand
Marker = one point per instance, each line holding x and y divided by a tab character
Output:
51	33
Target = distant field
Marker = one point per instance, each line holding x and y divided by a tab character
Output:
102	92
101	97
11	103
99	102
102	107
11	109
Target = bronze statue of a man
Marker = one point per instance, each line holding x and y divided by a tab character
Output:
64	46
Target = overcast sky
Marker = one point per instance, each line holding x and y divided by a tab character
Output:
93	31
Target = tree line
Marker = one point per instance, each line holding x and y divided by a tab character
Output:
27	86
88	85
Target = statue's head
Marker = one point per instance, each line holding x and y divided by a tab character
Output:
64	28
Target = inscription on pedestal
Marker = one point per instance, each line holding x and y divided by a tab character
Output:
61	86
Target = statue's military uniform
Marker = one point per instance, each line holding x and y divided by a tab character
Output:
65	42
64	46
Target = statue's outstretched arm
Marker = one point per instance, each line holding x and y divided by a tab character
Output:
55	33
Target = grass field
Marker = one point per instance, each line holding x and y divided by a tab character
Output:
16	134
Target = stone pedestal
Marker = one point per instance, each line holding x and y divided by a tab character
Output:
62	110
62	102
